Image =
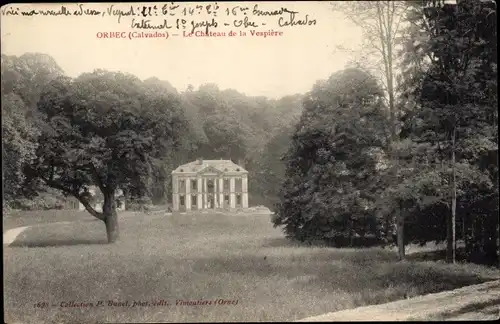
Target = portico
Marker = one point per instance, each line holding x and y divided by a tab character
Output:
209	184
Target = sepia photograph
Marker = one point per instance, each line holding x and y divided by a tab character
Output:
256	161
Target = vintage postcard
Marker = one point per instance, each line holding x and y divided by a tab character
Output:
176	162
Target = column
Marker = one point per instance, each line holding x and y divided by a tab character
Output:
221	192
175	193
199	201
188	194
232	197
216	195
244	189
205	193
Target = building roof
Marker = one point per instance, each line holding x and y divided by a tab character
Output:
219	165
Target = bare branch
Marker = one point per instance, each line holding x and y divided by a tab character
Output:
396	29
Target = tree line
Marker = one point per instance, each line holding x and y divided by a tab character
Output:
400	148
404	149
62	135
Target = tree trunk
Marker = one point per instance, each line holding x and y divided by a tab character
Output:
497	242
110	217
451	226
490	241
112	227
387	239
466	233
351	230
400	233
392	119
463	226
399	212
497	238
449	239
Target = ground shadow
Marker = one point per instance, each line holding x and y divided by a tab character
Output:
284	242
436	255
372	276
56	243
362	244
333	243
460	256
474	307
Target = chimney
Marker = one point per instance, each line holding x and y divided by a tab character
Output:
200	161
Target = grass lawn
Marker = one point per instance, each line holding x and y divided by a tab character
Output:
26	218
209	257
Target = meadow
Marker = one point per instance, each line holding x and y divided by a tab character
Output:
178	268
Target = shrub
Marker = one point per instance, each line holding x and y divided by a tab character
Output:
139	204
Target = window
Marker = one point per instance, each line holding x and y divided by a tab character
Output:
181	200
238	185
238	199
193	200
182	186
226	184
210	185
226	199
194	184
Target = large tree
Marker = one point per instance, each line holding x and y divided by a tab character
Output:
104	129
332	164
18	145
450	61
381	24
23	79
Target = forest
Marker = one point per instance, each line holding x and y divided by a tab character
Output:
401	150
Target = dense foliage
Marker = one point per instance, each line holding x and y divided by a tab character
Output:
330	187
441	168
409	153
449	138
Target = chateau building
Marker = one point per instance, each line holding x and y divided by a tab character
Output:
209	184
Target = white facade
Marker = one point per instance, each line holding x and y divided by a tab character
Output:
209	184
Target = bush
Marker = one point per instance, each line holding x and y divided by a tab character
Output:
44	201
139	204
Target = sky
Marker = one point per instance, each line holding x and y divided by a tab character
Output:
273	66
